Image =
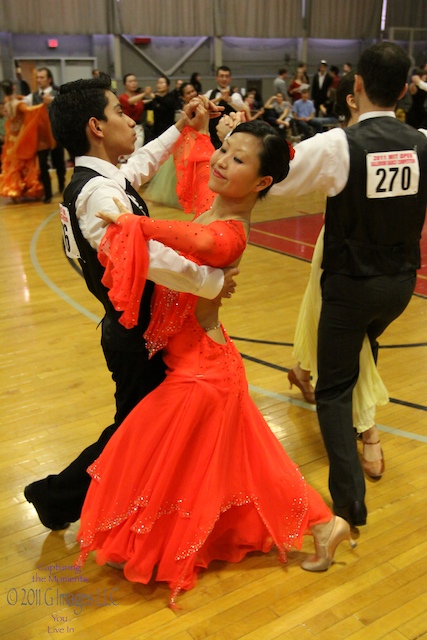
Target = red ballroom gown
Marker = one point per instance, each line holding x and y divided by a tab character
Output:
194	473
28	131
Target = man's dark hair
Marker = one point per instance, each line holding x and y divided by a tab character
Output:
183	87
168	82
223	67
126	76
7	87
282	71
48	73
72	109
384	68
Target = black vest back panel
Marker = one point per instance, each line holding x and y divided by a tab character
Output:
368	236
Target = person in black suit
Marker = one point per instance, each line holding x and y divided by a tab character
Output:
375	177
45	94
322	80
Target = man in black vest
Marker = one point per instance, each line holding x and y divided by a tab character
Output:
224	97
375	177
88	120
45	94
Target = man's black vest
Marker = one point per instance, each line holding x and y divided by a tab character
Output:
113	333
377	235
38	98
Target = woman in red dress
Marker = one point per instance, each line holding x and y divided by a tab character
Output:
298	83
132	102
207	479
27	131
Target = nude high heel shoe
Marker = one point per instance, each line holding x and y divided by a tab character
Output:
375	468
326	540
303	385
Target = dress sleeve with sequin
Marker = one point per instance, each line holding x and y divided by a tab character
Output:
123	251
192	155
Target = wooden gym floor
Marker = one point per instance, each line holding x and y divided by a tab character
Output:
57	397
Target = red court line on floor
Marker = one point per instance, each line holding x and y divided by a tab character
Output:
297	236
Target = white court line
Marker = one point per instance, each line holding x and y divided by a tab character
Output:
48	281
92	316
310	407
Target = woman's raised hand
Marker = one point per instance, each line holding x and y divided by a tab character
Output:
197	111
109	216
228	123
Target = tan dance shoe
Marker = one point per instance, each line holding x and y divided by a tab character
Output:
327	537
303	385
375	468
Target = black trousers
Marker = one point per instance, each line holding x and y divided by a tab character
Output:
351	308
135	376
58	162
304	128
43	157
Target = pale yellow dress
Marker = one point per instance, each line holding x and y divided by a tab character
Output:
370	390
162	187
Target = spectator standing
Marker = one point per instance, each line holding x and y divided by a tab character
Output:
298	83
223	96
196	81
334	72
417	115
320	85
279	83
132	103
163	106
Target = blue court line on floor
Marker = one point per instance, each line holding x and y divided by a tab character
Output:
48	281
289	399
409	345
97	319
279	367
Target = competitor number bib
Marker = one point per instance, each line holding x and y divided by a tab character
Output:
70	244
392	173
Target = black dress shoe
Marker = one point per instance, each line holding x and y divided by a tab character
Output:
34	494
355	513
47	200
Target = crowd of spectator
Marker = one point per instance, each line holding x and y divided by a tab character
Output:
300	106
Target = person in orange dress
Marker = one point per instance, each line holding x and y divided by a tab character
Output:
208	480
27	131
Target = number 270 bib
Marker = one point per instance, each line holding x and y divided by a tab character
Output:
392	173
